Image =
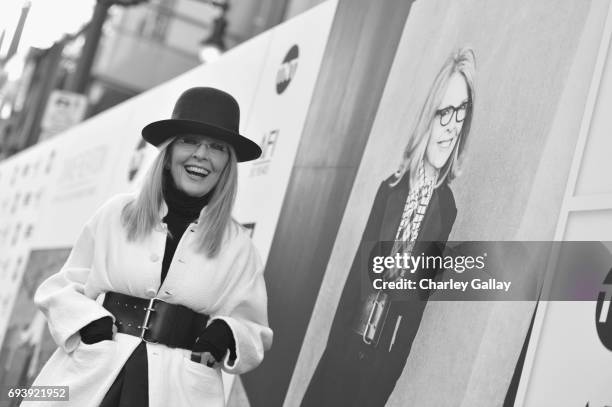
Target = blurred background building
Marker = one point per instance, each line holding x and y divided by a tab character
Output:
64	61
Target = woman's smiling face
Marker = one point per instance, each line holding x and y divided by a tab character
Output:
443	138
196	163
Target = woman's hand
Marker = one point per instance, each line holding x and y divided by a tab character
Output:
213	343
97	331
205	358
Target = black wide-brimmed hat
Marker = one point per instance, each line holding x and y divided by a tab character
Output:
206	111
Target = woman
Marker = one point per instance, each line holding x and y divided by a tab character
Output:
373	331
184	290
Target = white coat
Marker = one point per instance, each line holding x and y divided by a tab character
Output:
229	287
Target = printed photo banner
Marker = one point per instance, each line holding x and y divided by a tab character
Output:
510	170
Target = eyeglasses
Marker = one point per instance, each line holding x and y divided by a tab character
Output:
193	144
446	114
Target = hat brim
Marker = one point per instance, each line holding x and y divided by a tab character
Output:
157	132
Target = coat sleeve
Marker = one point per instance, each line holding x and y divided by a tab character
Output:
248	318
62	299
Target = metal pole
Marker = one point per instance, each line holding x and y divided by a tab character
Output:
81	76
18	31
49	68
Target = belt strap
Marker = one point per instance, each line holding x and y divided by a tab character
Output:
154	320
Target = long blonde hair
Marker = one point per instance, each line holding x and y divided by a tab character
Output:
141	215
463	62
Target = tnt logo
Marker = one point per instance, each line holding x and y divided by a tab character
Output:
603	314
286	71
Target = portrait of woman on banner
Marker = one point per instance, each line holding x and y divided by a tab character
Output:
413	212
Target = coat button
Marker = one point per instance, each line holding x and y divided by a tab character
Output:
154	257
151	292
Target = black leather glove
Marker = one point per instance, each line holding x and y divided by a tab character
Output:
97	331
216	339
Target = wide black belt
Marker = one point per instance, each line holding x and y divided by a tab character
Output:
156	321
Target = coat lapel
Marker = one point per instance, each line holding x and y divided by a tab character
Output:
394	209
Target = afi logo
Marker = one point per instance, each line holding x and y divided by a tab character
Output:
261	166
603	314
286	71
268	144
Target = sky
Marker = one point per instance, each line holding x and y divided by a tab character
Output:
48	20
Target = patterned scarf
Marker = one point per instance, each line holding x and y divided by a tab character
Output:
412	217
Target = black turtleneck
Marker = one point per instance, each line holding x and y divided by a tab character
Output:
182	210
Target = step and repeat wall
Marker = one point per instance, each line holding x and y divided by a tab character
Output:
48	191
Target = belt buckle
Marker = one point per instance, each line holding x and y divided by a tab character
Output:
145	323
